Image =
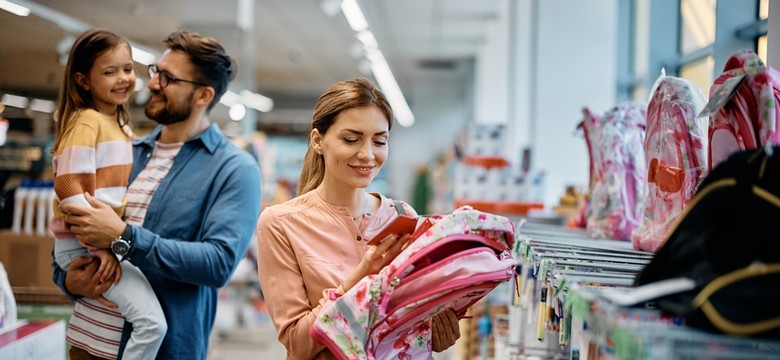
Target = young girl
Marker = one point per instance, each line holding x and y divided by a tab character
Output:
93	154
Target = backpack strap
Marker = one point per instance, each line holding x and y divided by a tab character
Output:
399	207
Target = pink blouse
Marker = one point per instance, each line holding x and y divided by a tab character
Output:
305	248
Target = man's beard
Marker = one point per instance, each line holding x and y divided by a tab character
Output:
171	113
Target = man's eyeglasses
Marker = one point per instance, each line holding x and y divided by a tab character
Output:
164	78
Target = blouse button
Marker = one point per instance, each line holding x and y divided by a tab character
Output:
359	238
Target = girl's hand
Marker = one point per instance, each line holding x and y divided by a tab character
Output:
109	270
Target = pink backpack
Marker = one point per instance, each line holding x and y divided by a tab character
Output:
617	197
743	107
589	127
455	260
676	152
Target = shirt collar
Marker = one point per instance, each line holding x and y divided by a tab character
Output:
210	138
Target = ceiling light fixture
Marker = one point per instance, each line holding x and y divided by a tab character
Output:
389	86
13	8
15	101
40	105
379	66
141	54
354	15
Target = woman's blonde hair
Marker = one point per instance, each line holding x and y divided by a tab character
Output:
343	95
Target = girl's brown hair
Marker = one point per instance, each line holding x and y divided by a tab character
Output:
72	97
343	95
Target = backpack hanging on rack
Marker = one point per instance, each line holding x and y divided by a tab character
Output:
453	263
726	241
676	152
589	127
617	199
744	107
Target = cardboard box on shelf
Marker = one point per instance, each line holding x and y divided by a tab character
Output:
27	259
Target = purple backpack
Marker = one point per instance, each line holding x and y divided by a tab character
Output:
455	260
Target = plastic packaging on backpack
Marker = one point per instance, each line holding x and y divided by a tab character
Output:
617	198
676	153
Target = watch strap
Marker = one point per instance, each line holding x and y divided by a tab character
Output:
127	234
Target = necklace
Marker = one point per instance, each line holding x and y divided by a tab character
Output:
362	210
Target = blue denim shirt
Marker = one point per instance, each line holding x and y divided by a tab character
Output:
196	230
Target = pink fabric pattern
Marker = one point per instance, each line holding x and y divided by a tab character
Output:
452	264
749	118
617	198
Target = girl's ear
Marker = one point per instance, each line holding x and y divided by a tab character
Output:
82	81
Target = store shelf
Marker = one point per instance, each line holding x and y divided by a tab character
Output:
487	162
497	207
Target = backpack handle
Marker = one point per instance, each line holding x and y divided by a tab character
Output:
399	207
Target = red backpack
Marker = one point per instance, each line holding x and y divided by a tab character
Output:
743	107
676	153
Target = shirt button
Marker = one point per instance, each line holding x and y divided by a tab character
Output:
359	238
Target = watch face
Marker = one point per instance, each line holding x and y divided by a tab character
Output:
120	247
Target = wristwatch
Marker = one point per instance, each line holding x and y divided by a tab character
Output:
121	245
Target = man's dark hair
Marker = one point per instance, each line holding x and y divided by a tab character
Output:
212	64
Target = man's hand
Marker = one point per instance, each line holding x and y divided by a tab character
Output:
96	226
444	330
82	279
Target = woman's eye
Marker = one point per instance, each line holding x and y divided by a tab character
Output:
350	140
380	142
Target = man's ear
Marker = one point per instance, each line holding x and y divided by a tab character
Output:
204	95
82	81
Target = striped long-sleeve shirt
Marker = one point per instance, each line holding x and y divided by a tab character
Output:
95	157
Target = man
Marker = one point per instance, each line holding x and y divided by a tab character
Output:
192	204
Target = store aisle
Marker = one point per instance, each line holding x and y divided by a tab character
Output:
246	343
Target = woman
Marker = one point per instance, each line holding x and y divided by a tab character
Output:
317	242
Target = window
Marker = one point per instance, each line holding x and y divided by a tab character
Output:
700	72
763	13
698	24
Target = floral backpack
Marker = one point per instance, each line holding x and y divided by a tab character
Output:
617	196
589	127
454	260
676	153
743	108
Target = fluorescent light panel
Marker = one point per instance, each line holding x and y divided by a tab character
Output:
354	15
13	8
380	68
15	101
40	105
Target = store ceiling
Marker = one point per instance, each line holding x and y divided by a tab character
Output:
298	49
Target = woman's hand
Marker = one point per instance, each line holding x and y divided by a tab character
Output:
444	330
376	258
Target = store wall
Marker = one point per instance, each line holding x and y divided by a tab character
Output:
564	55
441	108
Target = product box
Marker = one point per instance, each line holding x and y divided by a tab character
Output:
33	339
27	259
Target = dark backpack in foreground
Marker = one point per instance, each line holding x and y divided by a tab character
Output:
727	241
